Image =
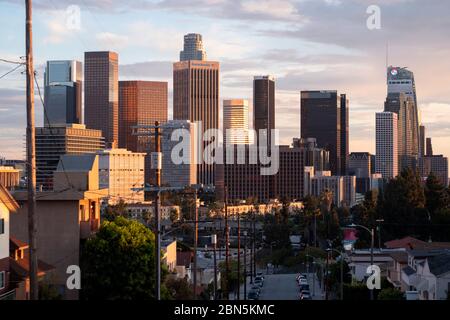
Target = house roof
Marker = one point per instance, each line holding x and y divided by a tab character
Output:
439	264
400	257
15	244
407	243
7	199
22	266
76	162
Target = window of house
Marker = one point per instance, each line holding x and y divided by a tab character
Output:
2	279
2	226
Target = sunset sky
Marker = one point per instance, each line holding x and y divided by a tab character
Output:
305	44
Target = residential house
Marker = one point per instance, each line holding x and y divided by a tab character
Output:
65	216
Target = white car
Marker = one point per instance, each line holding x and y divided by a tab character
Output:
302	281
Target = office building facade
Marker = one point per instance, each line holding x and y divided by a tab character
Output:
141	103
183	172
387	144
264	105
122	173
193	48
235	122
52	143
196	98
101	93
438	165
62	93
324	116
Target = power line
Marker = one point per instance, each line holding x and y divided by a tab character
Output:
11	71
12	62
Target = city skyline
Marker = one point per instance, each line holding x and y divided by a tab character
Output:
299	61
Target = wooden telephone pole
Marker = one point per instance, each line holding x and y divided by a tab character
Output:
31	155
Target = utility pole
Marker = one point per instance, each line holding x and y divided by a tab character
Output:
214	243
195	243
245	261
254	244
31	155
227	246
239	257
156	162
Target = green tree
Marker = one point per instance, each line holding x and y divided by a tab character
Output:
179	289
118	210
435	194
391	294
119	263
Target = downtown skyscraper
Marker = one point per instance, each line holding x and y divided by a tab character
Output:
101	93
387	144
62	93
402	100
193	48
235	122
264	105
141	103
196	98
324	116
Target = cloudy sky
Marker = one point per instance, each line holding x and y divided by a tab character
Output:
305	44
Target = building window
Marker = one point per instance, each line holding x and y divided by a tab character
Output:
2	280
2	226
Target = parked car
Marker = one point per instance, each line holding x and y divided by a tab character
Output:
259	283
302	281
259	278
257	289
305	295
253	295
304	287
261	275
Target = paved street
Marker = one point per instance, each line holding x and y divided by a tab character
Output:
284	287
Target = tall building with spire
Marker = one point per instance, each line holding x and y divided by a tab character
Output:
193	48
196	98
402	99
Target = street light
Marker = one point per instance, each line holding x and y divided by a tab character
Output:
342	269
372	234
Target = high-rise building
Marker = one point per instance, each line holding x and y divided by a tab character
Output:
235	122
264	105
401	88
141	103
101	93
387	144
288	182
193	48
122	173
62	93
360	166
422	136
408	146
429	151
314	156
324	116
438	165
52	143
345	134
179	170
196	98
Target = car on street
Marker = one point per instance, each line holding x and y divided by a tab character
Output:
259	283
302	281
304	287
257	289
260	274
305	295
253	295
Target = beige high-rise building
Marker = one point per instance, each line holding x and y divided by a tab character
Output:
122	172
387	144
196	98
235	122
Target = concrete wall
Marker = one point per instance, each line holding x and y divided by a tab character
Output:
58	237
4	238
